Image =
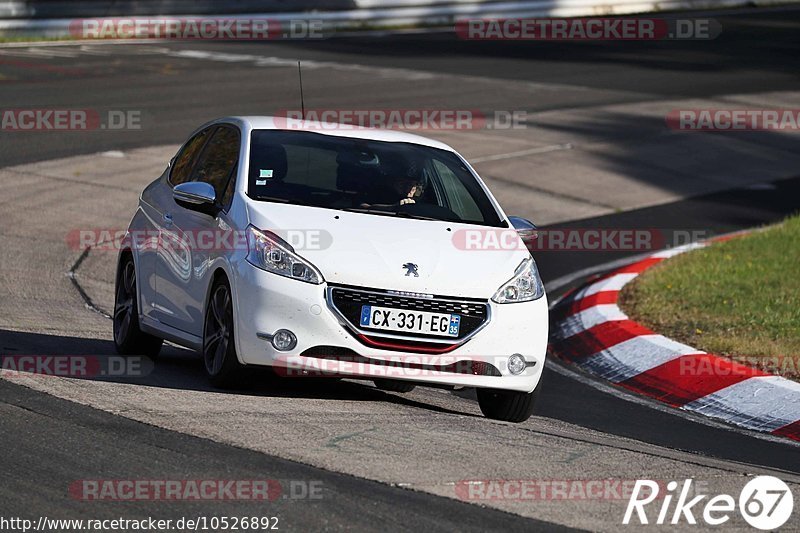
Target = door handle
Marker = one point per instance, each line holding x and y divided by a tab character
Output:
167	218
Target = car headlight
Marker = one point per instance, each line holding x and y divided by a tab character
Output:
526	285
267	251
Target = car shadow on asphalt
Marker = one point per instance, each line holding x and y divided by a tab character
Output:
175	368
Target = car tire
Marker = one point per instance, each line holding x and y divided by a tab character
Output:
509	406
392	385
219	348
129	339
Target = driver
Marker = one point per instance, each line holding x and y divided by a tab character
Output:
402	185
406	190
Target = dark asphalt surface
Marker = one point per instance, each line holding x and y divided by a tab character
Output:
48	443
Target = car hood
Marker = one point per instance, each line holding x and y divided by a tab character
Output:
368	250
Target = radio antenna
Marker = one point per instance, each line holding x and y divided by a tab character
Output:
302	100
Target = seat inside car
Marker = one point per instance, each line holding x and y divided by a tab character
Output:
356	174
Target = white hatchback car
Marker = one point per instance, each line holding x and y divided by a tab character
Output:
334	250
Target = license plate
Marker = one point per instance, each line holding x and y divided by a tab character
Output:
410	321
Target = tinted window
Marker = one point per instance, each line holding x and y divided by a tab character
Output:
185	160
387	178
455	193
218	160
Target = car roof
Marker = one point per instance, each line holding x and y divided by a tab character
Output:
326	128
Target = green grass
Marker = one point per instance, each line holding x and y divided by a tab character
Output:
739	298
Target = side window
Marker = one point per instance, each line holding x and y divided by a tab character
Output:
219	159
185	160
457	195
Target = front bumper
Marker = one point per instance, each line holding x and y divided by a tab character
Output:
265	303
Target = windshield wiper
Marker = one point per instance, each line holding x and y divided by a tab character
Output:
381	212
387	213
273	199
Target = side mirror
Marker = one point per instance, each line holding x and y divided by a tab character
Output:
526	229
197	196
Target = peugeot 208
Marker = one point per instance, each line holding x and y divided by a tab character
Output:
332	249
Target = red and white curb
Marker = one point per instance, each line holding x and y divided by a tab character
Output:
591	331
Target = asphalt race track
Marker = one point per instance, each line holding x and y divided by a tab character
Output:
384	460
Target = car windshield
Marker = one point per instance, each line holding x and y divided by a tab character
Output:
377	177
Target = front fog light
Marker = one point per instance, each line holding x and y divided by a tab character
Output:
284	340
516	364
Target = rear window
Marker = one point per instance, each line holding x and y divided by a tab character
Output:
388	178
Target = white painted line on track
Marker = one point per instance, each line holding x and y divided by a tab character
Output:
523	153
38	53
47	44
43	52
94	51
273	61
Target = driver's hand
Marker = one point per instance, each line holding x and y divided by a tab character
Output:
406	201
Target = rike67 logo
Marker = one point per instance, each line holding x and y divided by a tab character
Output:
765	503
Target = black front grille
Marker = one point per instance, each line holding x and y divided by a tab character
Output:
349	301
